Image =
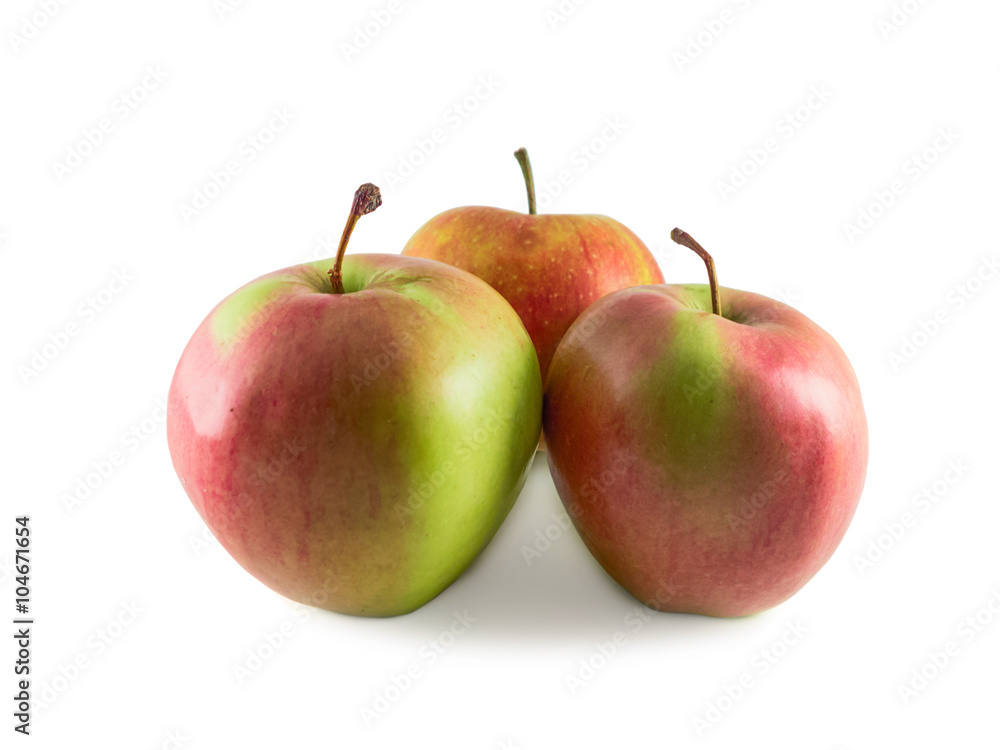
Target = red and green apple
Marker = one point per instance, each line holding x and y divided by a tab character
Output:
549	267
354	431
709	444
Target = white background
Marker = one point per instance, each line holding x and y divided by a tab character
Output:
685	126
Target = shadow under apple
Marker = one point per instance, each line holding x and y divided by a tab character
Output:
536	582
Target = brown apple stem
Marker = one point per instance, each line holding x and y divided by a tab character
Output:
529	181
685	239
366	199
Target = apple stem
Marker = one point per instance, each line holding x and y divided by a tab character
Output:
529	181
685	239
366	199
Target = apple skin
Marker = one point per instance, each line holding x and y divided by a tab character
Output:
304	426
549	267
711	463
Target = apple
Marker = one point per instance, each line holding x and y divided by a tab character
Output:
550	268
709	444
354	431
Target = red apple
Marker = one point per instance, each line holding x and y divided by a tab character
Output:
550	268
710	445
